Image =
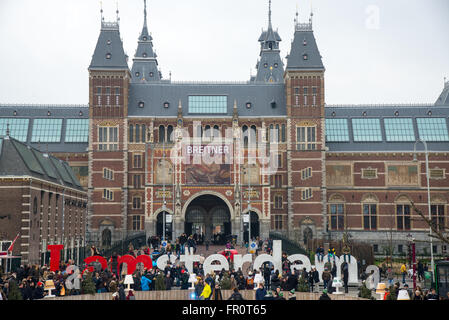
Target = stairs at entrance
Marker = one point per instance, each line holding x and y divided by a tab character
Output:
213	249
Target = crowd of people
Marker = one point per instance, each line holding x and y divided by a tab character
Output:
28	282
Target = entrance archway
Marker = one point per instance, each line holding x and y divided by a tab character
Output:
255	227
106	236
160	226
209	218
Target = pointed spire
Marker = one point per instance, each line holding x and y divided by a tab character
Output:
145	13
269	14
101	12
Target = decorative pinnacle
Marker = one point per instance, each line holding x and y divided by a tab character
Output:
145	12
269	14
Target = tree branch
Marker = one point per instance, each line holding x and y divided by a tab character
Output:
438	234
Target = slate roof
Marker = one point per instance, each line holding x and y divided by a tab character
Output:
19	159
109	52
304	44
443	99
145	65
154	95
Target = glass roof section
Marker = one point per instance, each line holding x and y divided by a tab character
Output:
18	128
46	130
337	130
208	104
366	130
432	129
77	130
399	129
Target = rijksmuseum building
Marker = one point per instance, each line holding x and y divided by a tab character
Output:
197	157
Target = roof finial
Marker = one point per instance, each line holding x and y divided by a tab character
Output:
311	13
118	18
297	15
145	12
269	14
101	11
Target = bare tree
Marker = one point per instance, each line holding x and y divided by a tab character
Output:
437	232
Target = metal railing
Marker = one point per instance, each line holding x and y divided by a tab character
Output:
121	247
289	246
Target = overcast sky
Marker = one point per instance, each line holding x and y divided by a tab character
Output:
374	51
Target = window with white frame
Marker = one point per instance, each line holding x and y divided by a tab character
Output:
306	173
306	194
306	138
108	174
137	202
108	194
108	138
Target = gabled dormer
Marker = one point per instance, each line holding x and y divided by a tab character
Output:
145	65
269	67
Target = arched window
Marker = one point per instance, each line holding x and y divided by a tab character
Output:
336	212
245	135
144	133
403	212
271	133
278	134
369	211
207	130
137	133
170	133
161	134
253	135
35	205
278	201
131	133
438	203
283	133
216	132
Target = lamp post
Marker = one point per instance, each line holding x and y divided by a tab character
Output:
412	243
415	159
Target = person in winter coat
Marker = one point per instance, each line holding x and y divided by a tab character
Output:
145	283
261	292
403	272
38	292
205	294
168	282
199	287
275	281
292	281
236	295
241	283
390	276
266	275
334	270
326	276
121	292
130	295
324	296
345	275
216	293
